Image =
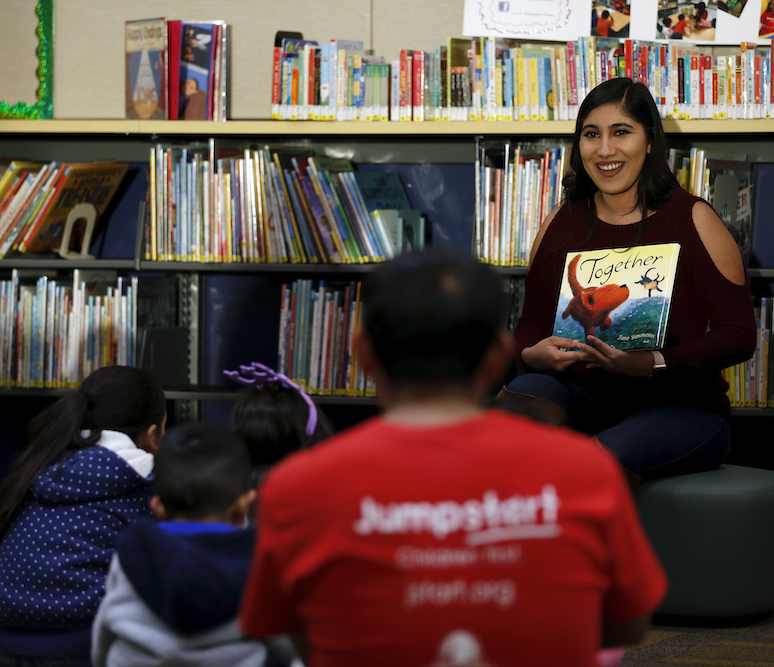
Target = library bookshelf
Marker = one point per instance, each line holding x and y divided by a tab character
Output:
445	142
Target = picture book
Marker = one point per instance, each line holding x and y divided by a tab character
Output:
731	195
620	295
146	69
92	182
197	42
381	189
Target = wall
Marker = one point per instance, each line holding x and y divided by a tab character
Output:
89	42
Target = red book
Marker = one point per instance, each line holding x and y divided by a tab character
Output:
173	67
628	59
644	73
417	85
702	99
276	87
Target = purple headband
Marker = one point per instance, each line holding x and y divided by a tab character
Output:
258	375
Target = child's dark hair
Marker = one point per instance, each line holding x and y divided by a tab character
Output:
272	422
201	470
431	315
117	398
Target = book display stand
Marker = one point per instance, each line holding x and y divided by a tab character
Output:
88	213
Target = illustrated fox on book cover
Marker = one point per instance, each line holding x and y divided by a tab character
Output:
620	295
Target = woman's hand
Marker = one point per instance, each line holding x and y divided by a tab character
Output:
635	363
555	354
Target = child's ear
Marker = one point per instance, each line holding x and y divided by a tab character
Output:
149	439
158	509
241	508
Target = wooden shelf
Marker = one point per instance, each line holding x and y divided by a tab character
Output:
307	128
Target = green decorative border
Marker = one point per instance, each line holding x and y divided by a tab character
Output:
44	107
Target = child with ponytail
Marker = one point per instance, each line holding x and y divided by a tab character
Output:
85	475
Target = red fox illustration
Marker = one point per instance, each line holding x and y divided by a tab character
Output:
591	306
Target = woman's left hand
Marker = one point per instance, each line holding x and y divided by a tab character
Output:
634	363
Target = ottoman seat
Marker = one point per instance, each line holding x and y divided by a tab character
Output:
714	533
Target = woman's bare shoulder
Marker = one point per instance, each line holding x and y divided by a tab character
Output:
720	245
542	232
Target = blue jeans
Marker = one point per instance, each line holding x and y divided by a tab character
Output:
655	441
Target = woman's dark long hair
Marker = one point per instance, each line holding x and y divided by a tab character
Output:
118	398
656	183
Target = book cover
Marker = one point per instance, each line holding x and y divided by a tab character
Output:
147	60
620	295
731	189
381	190
196	70
92	182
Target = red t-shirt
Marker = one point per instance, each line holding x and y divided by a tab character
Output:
603	26
680	27
496	540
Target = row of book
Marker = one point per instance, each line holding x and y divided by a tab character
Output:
517	185
495	78
57	331
317	324
274	205
176	69
751	383
37	198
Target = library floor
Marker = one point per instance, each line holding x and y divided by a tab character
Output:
748	645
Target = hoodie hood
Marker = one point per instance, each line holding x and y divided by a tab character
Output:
192	580
113	467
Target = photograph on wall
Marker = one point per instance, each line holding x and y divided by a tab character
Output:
610	18
732	7
685	20
766	28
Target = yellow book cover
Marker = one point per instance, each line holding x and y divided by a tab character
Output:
622	296
534	89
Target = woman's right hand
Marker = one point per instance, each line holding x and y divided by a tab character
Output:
553	354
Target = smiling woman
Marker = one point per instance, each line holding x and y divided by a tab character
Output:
27	79
659	412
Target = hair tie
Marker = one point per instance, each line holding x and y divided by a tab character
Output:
259	375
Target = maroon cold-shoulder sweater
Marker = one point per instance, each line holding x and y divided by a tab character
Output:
712	322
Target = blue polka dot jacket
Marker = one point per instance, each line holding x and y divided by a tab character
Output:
55	557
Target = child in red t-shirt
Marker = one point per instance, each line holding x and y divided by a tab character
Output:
603	24
680	26
767	20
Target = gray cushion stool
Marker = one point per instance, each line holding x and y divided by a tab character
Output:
714	533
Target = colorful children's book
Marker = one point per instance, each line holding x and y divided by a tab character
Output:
197	42
92	182
620	295
147	60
